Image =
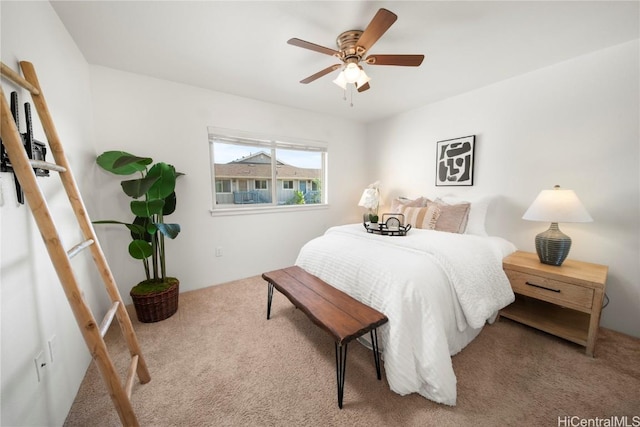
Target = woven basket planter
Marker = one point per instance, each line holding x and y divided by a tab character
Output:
157	306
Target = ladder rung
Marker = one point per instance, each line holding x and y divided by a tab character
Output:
18	79
39	164
108	318
79	247
133	366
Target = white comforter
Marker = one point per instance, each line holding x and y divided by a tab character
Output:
436	288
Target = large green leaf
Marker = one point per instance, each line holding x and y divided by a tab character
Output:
166	182
151	228
169	204
122	163
138	187
141	231
146	209
169	230
139	249
131	159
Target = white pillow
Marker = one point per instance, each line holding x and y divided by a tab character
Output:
477	214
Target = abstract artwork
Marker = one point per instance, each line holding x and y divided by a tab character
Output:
455	161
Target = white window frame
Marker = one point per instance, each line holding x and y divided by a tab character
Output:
270	143
286	187
222	181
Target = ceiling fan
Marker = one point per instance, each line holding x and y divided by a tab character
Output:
352	47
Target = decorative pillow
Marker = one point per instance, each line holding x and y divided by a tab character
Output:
477	212
425	217
399	202
453	218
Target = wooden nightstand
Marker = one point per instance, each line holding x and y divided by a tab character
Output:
564	301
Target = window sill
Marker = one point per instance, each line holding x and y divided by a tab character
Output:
266	209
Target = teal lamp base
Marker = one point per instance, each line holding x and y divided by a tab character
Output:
553	245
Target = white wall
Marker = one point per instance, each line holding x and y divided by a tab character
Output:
33	305
153	118
575	124
168	122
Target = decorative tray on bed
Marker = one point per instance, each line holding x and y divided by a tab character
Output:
391	225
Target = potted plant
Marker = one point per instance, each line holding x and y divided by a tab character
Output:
155	298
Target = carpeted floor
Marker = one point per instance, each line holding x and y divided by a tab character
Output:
219	362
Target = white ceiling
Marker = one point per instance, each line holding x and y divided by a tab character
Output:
240	47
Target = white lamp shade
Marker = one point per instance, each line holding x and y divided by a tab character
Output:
557	205
341	81
351	72
370	198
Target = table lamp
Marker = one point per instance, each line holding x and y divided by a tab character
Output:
557	205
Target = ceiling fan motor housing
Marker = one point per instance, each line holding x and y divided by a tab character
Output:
347	44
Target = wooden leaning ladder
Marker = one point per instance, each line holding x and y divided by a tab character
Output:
92	332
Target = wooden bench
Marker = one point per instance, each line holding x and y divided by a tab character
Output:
342	316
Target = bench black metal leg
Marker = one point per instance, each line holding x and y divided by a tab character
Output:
341	364
376	355
269	299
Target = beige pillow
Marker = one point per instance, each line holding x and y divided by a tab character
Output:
425	217
453	218
477	211
400	202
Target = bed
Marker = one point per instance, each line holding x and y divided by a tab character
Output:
437	288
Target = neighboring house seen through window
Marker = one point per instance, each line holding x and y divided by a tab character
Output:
245	168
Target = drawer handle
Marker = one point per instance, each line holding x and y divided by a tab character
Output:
542	287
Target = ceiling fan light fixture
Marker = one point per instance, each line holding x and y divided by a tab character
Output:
352	72
341	81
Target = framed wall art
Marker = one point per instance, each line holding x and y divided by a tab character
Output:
454	161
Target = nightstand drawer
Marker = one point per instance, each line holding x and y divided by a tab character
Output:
555	291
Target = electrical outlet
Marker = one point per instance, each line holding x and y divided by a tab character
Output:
52	348
219	251
41	364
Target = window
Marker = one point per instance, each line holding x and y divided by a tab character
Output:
254	171
223	186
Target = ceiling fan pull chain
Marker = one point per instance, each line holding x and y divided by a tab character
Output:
351	93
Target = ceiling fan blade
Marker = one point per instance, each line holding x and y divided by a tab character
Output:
376	28
364	87
403	60
312	46
321	73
